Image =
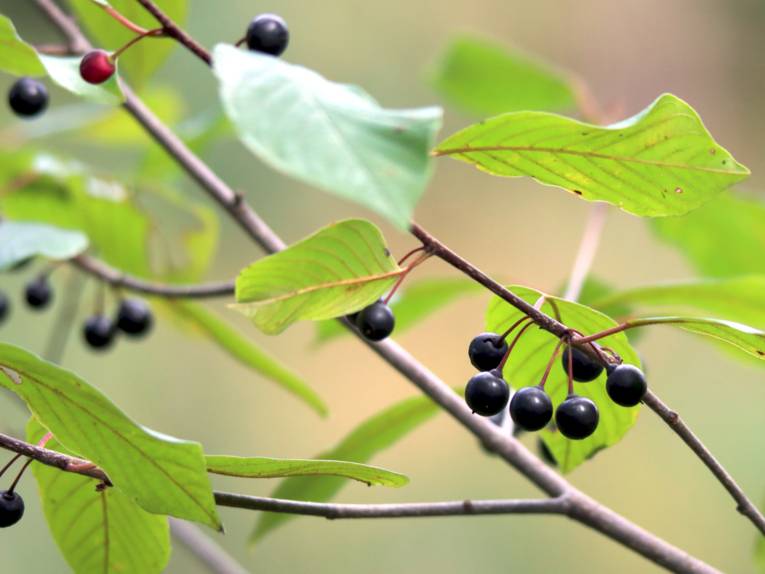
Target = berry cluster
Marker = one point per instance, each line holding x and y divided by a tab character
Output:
133	318
531	408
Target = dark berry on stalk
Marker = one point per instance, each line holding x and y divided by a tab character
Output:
268	33
98	332
134	317
487	394
486	351
38	292
583	367
28	97
11	508
376	321
5	306
531	408
577	417
626	385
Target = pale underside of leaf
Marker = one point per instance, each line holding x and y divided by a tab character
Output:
22	240
661	162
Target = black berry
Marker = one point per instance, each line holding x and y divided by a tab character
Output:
531	408
584	367
626	385
268	33
38	293
487	394
486	351
5	306
11	508
376	321
134	317
577	417
28	97
98	332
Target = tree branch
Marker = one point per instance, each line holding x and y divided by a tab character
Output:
204	548
172	30
673	420
582	508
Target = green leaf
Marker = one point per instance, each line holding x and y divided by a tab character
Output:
261	467
339	269
20	59
16	56
720	238
759	553
332	136
485	78
531	355
366	440
144	58
21	240
163	475
418	301
660	162
244	351
740	299
98	531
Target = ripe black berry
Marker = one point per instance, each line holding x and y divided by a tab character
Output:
5	306
28	97
134	317
38	293
584	367
376	321
11	508
268	33
98	331
577	417
486	394
531	408
626	385
486	351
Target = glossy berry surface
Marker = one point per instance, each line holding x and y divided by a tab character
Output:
531	408
584	368
134	317
269	34
487	394
626	385
38	293
96	67
5	306
28	97
577	417
486	351
11	508
376	321
98	332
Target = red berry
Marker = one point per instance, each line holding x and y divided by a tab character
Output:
96	67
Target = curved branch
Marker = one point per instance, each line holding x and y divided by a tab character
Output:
673	420
116	278
331	511
172	30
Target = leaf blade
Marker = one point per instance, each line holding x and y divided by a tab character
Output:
21	240
660	162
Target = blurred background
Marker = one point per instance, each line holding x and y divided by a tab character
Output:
707	52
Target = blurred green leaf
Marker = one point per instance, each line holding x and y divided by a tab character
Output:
244	351
332	136
366	440
341	268
740	299
98	531
164	475
485	78
527	363
261	467
660	162
759	553
21	240
144	58
16	56
20	59
723	238
418	301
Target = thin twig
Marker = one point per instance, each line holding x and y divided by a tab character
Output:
588	247
204	548
172	30
673	420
